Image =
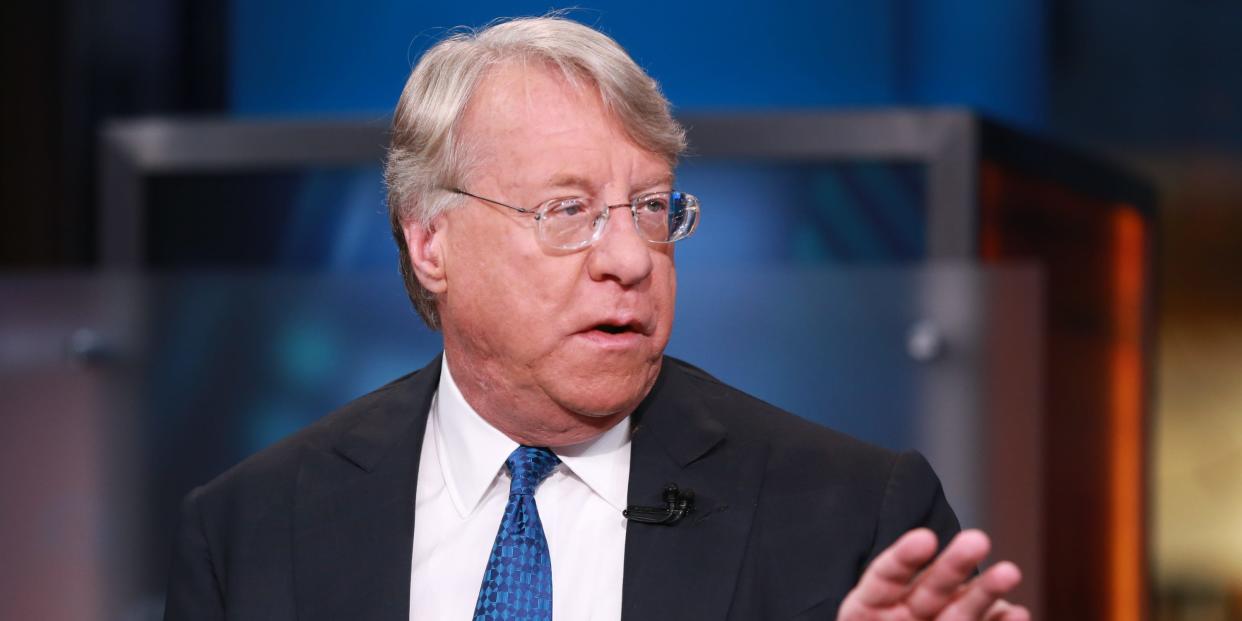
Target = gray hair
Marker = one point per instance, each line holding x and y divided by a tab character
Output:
427	154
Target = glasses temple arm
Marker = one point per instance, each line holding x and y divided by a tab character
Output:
488	200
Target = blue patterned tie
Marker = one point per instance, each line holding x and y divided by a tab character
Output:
517	584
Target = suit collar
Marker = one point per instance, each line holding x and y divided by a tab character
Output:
689	570
681	427
353	517
405	402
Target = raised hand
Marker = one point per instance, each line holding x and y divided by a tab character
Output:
900	585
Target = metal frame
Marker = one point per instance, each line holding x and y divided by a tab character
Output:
950	142
133	150
943	140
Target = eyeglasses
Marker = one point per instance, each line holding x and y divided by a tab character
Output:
566	224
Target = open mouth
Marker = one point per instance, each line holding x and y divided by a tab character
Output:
613	329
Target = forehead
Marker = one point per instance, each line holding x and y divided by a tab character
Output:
527	123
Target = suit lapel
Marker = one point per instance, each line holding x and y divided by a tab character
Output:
354	509
688	570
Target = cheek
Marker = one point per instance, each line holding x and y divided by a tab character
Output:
507	291
667	287
477	272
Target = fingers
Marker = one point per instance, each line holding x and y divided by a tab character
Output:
981	599
943	580
887	580
901	578
1004	611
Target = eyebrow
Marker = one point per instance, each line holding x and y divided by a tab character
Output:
651	182
571	180
568	180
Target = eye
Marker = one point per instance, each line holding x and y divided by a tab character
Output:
570	208
654	204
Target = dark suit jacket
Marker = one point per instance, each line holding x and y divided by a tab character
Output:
788	513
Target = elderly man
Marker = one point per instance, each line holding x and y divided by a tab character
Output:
553	463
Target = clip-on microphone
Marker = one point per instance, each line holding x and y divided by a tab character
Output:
676	505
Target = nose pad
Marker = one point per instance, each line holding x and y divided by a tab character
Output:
628	219
619	220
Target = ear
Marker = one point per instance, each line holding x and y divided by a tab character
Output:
427	256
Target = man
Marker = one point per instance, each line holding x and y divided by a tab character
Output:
532	198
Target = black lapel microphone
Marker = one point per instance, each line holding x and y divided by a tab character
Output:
677	504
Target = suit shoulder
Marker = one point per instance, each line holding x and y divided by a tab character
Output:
276	466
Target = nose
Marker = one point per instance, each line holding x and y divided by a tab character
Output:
620	254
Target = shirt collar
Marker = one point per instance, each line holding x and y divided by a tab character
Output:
472	452
603	463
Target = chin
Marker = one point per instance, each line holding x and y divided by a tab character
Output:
605	394
601	404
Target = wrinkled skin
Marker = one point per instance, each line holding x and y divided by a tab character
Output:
519	320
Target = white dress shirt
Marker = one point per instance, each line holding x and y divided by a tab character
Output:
463	487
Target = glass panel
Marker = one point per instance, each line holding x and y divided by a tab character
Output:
204	369
325	218
805	213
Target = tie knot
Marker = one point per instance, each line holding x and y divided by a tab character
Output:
529	466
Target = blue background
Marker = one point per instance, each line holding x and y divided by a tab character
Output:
346	58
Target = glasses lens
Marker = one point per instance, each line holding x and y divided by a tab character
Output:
654	217
668	217
574	223
569	224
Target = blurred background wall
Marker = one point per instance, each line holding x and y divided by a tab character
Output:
1148	83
